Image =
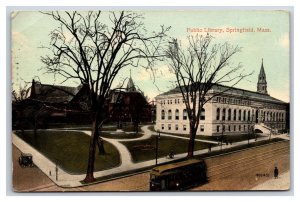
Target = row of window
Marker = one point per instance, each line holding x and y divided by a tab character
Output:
226	128
171	101
169	127
232	101
233	128
245	115
177	115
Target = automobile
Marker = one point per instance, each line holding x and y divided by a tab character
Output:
25	160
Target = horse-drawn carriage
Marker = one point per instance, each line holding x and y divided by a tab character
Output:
25	160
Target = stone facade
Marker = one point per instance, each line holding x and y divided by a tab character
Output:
236	111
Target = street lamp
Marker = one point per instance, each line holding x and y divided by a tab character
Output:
222	134
156	148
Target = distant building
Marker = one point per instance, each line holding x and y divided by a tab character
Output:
129	105
52	104
233	112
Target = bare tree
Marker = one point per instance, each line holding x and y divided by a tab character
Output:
21	93
198	68
93	47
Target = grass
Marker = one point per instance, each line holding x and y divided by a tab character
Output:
70	150
121	135
144	150
125	128
229	138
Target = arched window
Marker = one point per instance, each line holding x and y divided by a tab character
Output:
218	114
244	115
249	115
162	114
184	115
264	118
271	116
169	114
223	114
202	114
229	115
234	114
267	118
240	114
176	114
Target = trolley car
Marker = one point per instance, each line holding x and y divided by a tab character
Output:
178	176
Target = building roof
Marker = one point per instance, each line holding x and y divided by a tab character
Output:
53	93
247	94
130	85
262	74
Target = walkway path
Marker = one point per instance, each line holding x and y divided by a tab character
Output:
65	179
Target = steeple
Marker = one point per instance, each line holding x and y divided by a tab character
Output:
262	81
130	85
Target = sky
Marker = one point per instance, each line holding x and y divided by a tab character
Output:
30	30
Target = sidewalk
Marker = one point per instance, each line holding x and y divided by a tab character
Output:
282	183
65	179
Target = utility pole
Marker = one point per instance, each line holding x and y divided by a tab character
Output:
56	171
156	147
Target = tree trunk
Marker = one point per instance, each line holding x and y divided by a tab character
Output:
191	143
93	141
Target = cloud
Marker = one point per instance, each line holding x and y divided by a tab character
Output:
284	41
19	40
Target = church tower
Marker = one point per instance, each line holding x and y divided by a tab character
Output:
130	85
262	81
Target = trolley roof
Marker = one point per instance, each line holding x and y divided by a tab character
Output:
164	168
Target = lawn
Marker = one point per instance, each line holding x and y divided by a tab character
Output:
121	135
70	150
229	138
144	150
126	128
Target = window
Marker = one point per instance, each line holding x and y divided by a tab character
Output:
244	127
239	127
240	114
169	127
229	128
176	127
229	115
168	101
162	126
234	115
177	114
218	114
184	127
184	115
223	114
175	101
169	114
202	128
223	128
162	114
249	115
218	128
202	114
234	127
244	115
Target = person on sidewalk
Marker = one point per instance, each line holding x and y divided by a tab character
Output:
276	172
